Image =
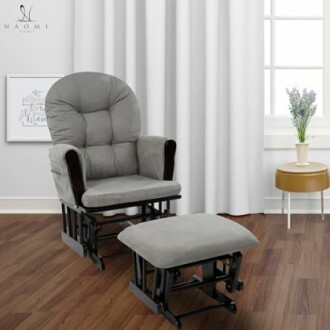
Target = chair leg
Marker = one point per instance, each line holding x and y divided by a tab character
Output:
74	224
160	209
80	234
144	213
70	227
64	218
153	216
69	222
91	242
167	211
81	228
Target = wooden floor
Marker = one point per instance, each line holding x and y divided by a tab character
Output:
44	285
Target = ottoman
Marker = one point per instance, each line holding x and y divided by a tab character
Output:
174	243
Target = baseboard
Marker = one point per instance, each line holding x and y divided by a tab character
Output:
51	205
29	205
299	205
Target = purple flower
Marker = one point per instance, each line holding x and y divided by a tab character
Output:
302	110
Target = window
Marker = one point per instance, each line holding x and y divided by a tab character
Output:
296	54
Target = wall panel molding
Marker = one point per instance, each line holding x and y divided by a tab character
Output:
51	205
299	205
29	205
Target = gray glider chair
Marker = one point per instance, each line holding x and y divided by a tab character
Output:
99	160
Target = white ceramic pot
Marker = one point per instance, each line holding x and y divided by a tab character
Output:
302	153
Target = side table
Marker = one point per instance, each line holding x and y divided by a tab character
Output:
292	178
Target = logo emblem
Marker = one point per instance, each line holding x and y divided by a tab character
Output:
26	16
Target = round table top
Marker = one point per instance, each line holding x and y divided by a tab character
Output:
308	169
294	178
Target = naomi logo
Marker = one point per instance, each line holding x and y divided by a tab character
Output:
25	24
26	16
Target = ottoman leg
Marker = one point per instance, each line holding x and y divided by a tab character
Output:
165	292
139	271
209	273
156	299
233	283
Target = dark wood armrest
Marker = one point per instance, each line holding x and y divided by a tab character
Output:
169	149
76	175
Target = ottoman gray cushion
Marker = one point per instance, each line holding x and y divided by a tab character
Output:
185	239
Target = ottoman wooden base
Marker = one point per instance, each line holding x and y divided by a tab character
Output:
164	283
172	244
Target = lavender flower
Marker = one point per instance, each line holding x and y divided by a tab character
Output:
302	110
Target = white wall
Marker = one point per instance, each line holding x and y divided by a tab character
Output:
24	167
25	180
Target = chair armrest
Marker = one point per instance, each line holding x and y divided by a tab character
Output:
69	172
156	157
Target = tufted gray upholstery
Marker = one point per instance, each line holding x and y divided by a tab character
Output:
99	114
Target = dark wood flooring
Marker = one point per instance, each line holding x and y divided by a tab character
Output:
44	285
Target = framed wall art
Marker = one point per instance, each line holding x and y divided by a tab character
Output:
26	116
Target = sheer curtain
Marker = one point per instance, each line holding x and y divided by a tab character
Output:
196	67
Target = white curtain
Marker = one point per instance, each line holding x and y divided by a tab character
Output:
196	67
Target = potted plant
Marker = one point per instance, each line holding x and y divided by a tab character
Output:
302	109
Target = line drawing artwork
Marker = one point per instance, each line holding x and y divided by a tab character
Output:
26	17
33	112
26	101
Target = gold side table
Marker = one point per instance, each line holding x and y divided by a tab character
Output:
292	178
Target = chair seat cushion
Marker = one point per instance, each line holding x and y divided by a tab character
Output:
181	240
127	189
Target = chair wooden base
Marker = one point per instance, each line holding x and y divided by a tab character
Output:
82	232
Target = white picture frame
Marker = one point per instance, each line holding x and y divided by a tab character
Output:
26	117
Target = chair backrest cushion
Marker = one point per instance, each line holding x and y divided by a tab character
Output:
100	115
